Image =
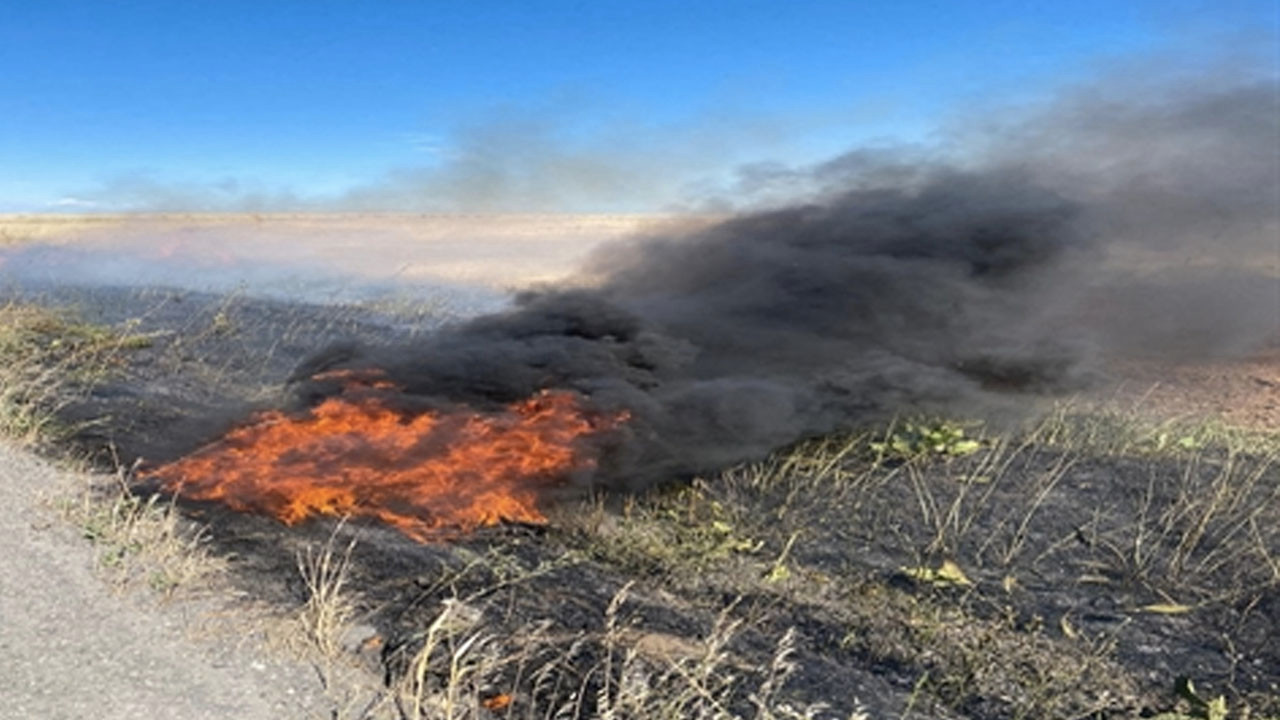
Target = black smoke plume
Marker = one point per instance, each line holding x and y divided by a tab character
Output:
900	285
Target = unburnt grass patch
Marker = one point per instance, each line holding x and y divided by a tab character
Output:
50	359
52	362
140	540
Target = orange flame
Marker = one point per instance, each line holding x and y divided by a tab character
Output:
428	474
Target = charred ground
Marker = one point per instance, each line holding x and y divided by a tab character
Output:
1095	557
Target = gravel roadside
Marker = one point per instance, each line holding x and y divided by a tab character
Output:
70	648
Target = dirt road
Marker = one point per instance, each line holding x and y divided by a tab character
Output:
69	648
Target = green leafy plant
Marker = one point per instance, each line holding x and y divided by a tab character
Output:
948	574
915	439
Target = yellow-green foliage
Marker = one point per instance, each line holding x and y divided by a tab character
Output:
913	439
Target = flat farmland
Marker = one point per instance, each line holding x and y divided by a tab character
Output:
501	251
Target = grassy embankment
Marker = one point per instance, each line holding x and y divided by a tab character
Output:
50	361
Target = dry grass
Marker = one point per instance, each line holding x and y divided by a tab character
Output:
464	668
1107	430
141	541
49	359
1209	499
329	605
465	664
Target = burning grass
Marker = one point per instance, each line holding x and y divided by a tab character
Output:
931	568
429	473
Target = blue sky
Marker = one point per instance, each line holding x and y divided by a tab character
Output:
165	105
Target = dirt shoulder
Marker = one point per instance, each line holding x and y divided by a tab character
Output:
70	648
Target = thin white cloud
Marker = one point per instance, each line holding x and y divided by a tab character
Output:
425	143
73	202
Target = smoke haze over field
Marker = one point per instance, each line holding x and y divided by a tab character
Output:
903	282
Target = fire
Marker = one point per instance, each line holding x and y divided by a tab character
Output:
429	474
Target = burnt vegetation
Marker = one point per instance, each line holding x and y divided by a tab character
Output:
1077	565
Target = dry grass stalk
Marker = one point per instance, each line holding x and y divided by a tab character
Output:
330	605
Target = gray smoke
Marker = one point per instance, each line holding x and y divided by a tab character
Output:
903	284
1182	191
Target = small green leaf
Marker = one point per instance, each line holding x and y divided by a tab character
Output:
1216	709
778	573
946	574
951	572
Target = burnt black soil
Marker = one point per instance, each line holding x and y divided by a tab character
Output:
1092	581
